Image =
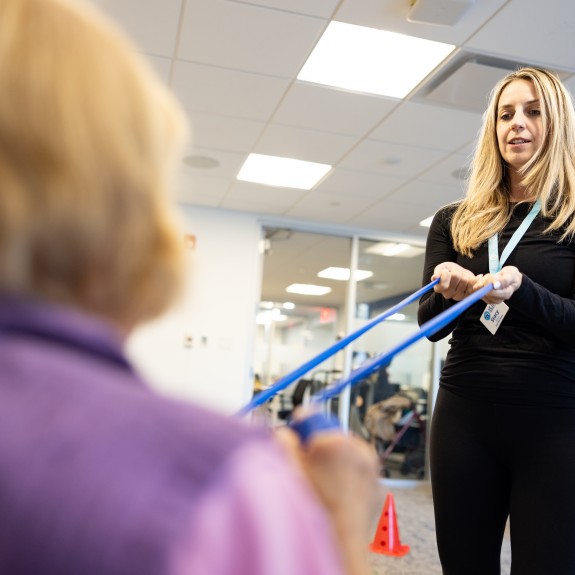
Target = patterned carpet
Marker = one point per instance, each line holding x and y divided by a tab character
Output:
414	512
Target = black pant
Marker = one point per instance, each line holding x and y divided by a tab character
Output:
489	461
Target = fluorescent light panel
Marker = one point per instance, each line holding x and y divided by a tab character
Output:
308	289
266	317
343	274
373	61
282	172
394	249
426	223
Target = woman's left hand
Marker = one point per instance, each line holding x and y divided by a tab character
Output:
505	283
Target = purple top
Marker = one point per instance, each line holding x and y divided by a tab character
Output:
100	476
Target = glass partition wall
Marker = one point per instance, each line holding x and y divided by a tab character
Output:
300	314
355	280
390	408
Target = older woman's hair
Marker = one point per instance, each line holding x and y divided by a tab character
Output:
549	175
88	140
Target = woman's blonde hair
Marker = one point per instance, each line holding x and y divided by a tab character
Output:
549	175
88	141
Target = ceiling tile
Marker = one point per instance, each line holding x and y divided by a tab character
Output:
268	196
451	171
257	207
540	34
201	189
430	126
331	110
420	231
343	182
319	8
224	133
301	144
229	163
426	194
227	92
392	216
264	41
152	25
326	207
391	159
162	67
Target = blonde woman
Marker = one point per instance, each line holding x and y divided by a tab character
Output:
504	423
98	475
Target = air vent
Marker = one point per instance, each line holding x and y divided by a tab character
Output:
438	12
467	82
468	87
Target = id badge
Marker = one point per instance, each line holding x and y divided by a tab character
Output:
493	315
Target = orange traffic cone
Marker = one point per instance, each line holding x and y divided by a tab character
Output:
386	538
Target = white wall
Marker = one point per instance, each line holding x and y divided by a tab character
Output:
217	312
292	346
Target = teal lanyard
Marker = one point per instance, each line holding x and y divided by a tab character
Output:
495	263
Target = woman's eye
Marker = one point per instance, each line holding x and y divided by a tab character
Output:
505	116
535	112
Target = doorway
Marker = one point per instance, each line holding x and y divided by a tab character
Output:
295	327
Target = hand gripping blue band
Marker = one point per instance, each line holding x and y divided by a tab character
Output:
306	427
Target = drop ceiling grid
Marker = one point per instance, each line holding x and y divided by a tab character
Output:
330	110
428	126
234	111
531	31
152	25
247	38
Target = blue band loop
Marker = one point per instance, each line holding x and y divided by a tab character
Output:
426	330
263	396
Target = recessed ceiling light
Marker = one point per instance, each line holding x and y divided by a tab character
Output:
392	249
391	161
343	274
308	289
426	222
374	61
282	172
288	305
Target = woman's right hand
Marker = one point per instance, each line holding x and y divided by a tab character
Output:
455	282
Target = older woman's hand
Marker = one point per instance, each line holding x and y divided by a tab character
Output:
343	471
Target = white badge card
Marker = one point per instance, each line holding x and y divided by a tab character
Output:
493	315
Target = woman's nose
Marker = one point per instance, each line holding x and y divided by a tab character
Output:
518	122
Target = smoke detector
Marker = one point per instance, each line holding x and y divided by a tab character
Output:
438	12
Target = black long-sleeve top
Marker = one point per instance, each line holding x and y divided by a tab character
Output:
531	357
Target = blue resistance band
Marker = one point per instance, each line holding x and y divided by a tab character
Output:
426	330
263	396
